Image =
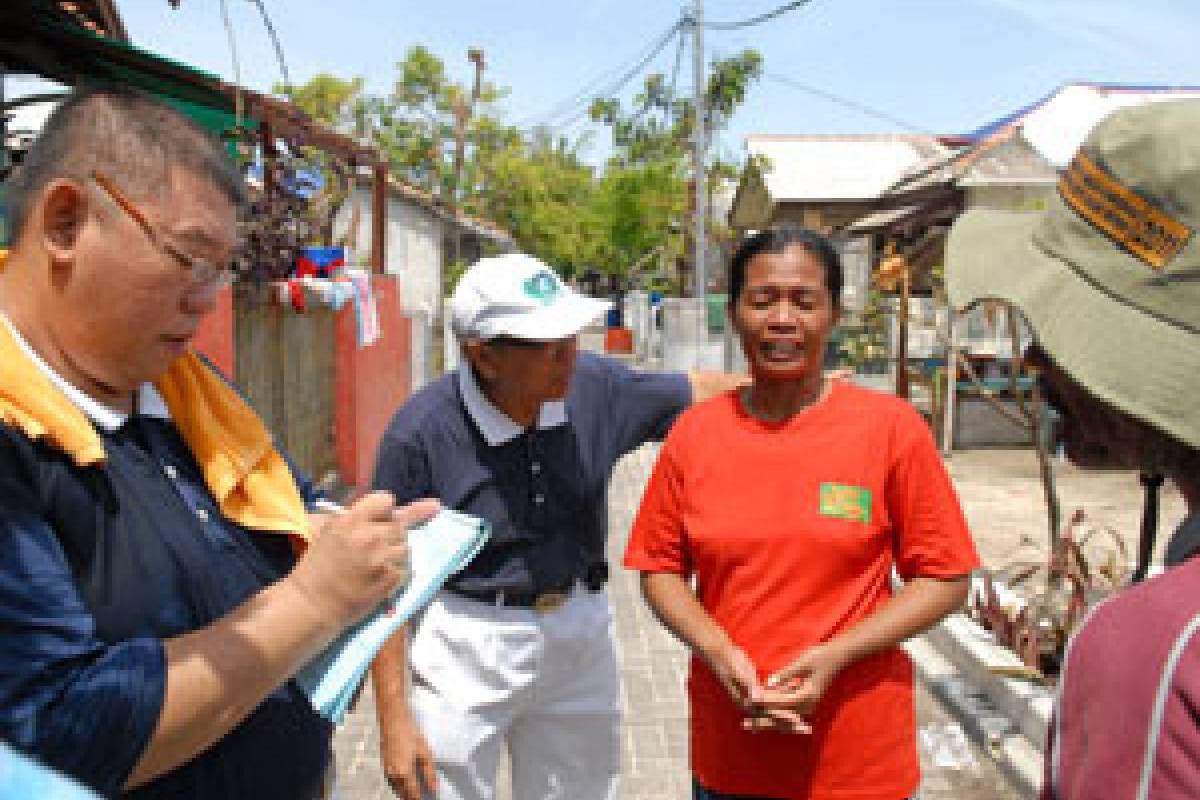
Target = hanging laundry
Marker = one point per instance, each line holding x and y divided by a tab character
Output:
320	262
366	314
296	295
341	291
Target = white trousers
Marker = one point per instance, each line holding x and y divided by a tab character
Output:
544	684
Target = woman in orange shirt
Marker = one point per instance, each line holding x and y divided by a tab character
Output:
789	501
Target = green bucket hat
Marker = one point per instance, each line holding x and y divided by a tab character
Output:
1108	276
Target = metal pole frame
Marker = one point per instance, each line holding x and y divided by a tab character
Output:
951	400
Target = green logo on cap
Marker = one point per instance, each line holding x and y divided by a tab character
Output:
543	287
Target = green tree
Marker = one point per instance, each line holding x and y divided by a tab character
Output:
419	118
541	192
328	99
556	206
652	159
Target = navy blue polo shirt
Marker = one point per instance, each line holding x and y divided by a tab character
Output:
543	489
98	566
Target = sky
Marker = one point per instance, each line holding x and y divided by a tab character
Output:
931	66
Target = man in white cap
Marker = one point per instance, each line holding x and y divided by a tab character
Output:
518	652
1108	278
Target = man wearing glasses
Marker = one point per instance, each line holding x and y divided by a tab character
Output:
160	577
517	653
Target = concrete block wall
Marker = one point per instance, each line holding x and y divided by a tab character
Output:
687	343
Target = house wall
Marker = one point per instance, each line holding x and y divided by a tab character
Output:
371	383
416	251
326	400
414	245
820	216
856	271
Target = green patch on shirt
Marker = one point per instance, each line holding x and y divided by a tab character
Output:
845	502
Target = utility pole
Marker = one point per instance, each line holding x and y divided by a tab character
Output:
463	110
462	114
700	142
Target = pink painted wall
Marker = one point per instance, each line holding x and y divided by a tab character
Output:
371	382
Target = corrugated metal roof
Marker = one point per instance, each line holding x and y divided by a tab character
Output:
1057	127
880	219
1100	89
823	167
1028	146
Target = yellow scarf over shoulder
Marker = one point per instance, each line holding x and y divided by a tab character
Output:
247	476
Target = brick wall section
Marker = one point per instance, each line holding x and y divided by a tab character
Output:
372	382
214	338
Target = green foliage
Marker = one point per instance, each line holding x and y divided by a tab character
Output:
635	209
862	342
536	186
653	156
542	196
327	98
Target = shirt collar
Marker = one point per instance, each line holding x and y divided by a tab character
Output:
496	426
1185	542
149	402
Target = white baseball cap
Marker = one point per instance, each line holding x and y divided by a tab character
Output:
519	296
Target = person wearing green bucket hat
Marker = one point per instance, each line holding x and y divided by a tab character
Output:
1108	278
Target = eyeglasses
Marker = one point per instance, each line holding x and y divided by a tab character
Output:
203	273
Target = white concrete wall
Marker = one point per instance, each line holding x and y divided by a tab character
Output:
414	247
687	343
856	272
414	255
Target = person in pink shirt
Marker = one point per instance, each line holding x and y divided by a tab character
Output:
1108	278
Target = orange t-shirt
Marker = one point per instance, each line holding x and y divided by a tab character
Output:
791	531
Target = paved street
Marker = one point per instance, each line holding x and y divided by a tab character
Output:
653	669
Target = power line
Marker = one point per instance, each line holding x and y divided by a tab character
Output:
610	90
761	18
620	83
569	105
846	102
237	68
670	96
675	69
287	78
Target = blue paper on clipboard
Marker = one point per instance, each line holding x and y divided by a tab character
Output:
21	778
438	549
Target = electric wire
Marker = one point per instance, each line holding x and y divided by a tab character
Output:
658	46
846	103
237	67
583	110
675	71
758	20
567	106
283	68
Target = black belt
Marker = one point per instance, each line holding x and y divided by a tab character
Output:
546	599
